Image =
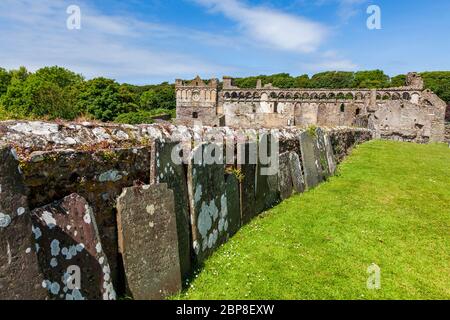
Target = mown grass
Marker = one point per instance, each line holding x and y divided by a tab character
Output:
389	205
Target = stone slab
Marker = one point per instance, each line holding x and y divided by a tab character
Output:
284	176
148	241
69	248
309	150
267	191
322	156
295	167
232	192
248	170
330	155
20	277
98	175
208	203
173	174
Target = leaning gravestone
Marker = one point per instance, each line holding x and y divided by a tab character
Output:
284	176
20	277
70	252
247	159
148	241
267	193
330	155
310	161
233	203
173	174
208	201
296	172
322	155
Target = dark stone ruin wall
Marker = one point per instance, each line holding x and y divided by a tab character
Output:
59	190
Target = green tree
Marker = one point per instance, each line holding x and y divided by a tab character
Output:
49	93
370	79
161	96
332	80
5	80
101	98
398	81
439	83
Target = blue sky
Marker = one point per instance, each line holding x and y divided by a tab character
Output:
150	41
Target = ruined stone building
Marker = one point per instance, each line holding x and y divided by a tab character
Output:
409	113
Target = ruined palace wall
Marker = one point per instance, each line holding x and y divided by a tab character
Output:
407	114
97	161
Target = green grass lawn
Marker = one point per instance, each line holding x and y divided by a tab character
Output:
389	205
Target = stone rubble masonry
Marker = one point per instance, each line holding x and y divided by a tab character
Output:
69	248
148	241
20	277
97	161
408	113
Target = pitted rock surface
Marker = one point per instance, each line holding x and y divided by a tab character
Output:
148	241
20	277
70	252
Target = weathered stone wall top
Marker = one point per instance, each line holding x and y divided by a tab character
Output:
30	136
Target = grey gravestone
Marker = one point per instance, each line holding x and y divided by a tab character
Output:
284	176
148	241
70	250
322	156
247	166
330	155
308	146
296	172
233	203
20	277
209	213
173	173
267	193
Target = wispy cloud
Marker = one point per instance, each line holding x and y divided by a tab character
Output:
349	8
271	27
34	34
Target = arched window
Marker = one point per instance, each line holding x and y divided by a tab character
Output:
342	108
357	112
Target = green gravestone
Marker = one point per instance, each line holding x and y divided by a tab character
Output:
233	204
310	152
296	172
247	166
284	176
169	169
208	201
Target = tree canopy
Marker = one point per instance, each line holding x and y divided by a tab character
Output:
58	93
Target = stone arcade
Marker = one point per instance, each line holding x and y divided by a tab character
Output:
409	113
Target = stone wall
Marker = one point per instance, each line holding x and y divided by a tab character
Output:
407	113
70	176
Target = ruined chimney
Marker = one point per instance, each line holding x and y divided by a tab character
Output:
227	82
258	84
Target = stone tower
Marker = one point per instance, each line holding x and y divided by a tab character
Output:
197	102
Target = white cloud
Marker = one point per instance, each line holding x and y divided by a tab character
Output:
270	27
34	34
